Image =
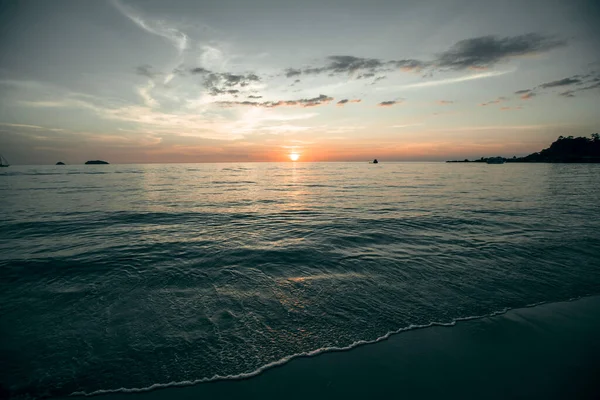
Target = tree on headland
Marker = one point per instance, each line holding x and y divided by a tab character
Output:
570	149
566	149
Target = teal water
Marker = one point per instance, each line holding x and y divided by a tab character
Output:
125	277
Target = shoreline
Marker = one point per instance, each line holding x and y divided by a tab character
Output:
422	354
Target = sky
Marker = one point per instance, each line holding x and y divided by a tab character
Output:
132	81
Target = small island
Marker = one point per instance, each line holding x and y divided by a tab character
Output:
564	150
60	163
95	162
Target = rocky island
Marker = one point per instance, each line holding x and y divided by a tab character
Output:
60	163
564	150
94	162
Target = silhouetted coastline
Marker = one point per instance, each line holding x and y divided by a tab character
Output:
94	162
564	150
60	163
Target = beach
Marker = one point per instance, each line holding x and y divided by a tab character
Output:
549	351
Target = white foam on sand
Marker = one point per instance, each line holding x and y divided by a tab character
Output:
246	375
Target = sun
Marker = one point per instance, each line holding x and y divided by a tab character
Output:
294	156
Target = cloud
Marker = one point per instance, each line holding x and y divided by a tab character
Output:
410	65
528	96
366	75
591	80
146	70
343	102
225	82
290	72
452	80
568	93
560	82
367	67
36	127
254	97
445	102
486	51
511	108
312	102
389	103
199	70
475	53
156	27
347	64
595	84
498	100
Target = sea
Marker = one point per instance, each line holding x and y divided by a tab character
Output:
128	278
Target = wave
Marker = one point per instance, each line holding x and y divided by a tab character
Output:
312	353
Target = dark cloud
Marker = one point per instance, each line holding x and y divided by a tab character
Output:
292	72
347	64
352	64
321	99
366	75
146	70
410	65
561	82
592	80
485	51
343	102
316	101
199	70
568	93
571	93
230	80
178	71
254	97
475	53
221	83
389	103
595	85
378	79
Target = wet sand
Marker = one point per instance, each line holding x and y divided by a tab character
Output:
550	351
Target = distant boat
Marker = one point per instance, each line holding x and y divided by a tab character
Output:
495	160
3	161
375	161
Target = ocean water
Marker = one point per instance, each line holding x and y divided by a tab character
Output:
129	277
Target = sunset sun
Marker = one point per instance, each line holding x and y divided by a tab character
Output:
294	156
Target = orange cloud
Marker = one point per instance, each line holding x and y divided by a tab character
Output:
527	96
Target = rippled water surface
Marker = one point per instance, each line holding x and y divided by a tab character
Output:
127	276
